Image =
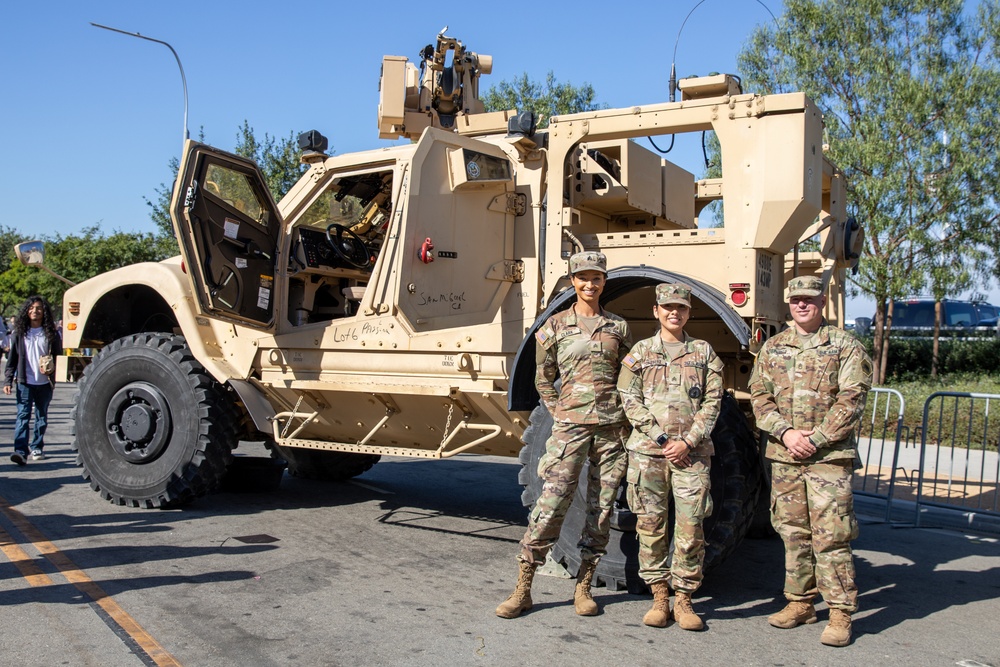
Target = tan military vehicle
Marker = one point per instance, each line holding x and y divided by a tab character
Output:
386	305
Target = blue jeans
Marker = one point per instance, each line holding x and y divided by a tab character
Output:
28	395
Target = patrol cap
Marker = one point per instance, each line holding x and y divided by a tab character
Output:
673	293
805	286
588	261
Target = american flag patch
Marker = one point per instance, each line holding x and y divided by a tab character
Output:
630	362
541	336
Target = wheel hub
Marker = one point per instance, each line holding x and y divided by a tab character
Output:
139	422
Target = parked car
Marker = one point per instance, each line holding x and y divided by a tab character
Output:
916	316
988	314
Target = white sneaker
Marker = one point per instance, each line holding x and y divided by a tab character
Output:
37	455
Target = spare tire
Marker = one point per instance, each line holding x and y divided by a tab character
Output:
736	485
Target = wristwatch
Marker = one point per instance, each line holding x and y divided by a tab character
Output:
661	440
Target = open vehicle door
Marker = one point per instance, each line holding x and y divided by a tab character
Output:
228	228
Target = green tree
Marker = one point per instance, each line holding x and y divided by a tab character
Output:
278	159
9	299
9	237
907	89
954	268
76	257
279	163
19	282
159	213
547	99
92	252
159	209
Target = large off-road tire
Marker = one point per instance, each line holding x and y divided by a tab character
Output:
151	427
736	483
760	527
323	465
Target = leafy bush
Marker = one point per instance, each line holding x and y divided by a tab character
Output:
910	358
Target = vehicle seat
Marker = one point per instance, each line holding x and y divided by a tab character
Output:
353	295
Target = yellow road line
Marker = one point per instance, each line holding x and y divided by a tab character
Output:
22	561
87	586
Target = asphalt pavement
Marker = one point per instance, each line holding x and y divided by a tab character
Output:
404	566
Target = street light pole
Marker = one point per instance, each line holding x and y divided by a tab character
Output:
176	57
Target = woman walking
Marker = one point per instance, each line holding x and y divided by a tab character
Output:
31	369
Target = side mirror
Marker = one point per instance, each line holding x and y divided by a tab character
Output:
32	253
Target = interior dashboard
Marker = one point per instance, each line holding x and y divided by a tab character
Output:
315	250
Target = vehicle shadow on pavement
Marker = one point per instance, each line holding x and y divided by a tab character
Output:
412	493
485	501
471	488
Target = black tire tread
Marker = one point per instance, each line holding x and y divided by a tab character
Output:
217	414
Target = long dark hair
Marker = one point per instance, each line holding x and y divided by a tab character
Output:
22	323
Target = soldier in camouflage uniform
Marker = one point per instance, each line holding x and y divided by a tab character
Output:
584	346
671	386
808	388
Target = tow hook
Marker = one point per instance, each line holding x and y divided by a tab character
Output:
424	253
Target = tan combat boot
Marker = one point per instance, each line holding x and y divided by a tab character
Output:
838	630
795	613
520	599
583	601
659	615
684	613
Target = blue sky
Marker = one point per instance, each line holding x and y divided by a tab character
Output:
104	112
91	118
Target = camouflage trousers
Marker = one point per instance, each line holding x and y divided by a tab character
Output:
812	508
567	450
652	481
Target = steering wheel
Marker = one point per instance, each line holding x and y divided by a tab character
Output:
348	246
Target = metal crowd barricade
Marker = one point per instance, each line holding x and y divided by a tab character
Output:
881	429
958	468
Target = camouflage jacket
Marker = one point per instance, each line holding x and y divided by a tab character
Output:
587	364
816	385
679	397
